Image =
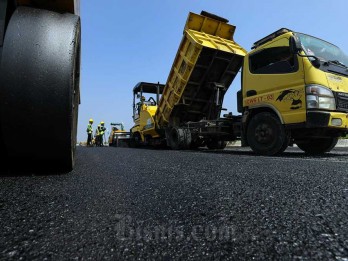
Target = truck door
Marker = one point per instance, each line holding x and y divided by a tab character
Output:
273	77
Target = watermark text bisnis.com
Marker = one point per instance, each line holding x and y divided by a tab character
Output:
126	229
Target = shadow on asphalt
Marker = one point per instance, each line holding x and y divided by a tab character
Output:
13	168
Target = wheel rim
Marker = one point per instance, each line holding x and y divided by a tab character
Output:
264	133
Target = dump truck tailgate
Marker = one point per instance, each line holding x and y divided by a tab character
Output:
207	56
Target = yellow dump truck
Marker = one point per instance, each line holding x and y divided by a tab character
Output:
294	90
39	81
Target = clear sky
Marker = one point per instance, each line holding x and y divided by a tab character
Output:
125	42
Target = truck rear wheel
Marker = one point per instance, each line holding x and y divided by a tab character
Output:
266	135
179	138
40	75
318	146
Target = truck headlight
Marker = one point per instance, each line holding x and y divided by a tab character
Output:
320	97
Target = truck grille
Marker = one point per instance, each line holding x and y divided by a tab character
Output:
342	101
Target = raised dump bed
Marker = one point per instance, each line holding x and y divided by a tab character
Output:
205	65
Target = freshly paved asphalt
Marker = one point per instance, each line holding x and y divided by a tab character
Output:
122	203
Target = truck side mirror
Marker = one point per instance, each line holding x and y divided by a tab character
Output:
295	45
316	63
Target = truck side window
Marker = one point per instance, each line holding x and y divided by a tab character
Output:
276	60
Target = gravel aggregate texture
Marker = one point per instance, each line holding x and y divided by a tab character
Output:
146	204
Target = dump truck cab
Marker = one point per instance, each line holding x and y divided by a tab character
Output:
146	97
302	82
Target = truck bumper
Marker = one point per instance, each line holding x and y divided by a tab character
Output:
322	119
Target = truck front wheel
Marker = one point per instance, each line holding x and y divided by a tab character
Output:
266	135
318	146
40	75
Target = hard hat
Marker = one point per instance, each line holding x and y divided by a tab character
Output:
99	126
91	120
102	123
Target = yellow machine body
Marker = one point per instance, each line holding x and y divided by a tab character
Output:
146	96
145	122
207	54
118	135
207	49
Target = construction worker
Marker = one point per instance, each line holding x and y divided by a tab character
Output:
97	136
102	132
89	132
140	104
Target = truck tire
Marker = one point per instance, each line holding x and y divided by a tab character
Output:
216	144
179	138
266	135
40	77
318	146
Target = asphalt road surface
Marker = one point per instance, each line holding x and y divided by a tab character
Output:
145	204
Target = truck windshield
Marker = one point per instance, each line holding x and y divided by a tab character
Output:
323	50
